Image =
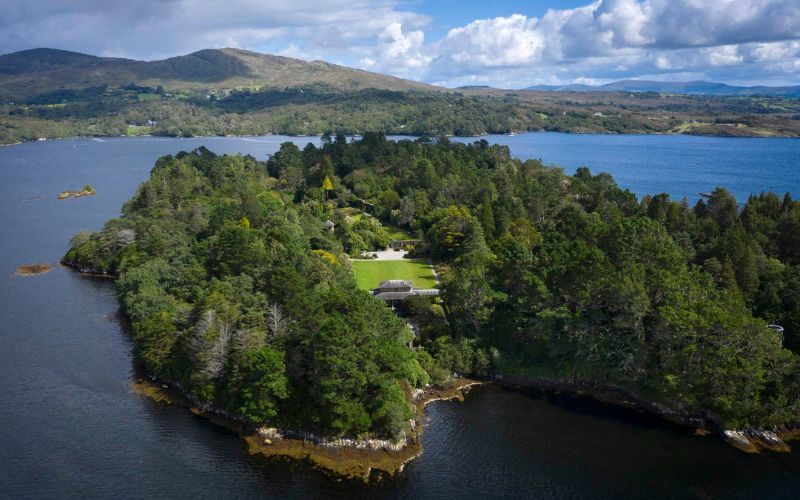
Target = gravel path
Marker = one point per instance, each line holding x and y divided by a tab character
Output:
386	255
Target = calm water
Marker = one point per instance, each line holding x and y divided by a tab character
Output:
70	426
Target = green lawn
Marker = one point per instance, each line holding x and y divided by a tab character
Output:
369	274
396	233
138	130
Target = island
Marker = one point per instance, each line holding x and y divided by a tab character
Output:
248	295
86	191
33	269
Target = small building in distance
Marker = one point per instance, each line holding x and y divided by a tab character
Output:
398	290
329	225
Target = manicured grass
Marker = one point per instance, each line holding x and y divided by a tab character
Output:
138	130
369	273
396	233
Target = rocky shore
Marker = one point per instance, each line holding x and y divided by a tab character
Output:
85	270
345	457
749	440
367	459
76	194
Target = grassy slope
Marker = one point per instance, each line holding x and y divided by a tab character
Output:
369	274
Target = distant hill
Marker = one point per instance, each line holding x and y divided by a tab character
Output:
697	87
34	71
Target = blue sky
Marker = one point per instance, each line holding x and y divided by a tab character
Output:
505	43
448	14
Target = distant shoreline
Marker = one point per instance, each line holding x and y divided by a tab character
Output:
391	134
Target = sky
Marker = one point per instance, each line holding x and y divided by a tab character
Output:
502	43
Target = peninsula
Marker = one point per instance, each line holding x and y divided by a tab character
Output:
243	283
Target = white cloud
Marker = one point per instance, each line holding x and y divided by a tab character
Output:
621	38
152	29
625	21
502	41
400	52
756	40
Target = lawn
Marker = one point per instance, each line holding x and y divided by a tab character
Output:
369	273
138	130
396	233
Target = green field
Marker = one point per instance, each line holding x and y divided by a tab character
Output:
369	274
138	130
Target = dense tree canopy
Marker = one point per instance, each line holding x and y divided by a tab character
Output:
235	288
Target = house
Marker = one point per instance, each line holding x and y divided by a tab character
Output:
396	290
329	225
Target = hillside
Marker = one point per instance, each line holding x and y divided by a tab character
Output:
696	87
31	72
54	93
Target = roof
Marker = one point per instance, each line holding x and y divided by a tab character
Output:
395	284
393	295
329	224
426	291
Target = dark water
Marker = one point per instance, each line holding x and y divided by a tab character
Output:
70	426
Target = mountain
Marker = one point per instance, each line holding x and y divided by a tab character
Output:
696	87
35	71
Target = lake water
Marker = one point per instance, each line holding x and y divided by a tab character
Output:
70	427
678	165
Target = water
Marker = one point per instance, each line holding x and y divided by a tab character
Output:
678	165
70	426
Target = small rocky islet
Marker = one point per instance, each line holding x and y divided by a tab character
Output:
86	191
33	269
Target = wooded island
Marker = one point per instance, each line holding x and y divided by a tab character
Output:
239	290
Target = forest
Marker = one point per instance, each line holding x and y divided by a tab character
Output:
236	291
136	110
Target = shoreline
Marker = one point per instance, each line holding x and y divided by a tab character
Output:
85	271
749	440
370	459
343	457
373	459
235	136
